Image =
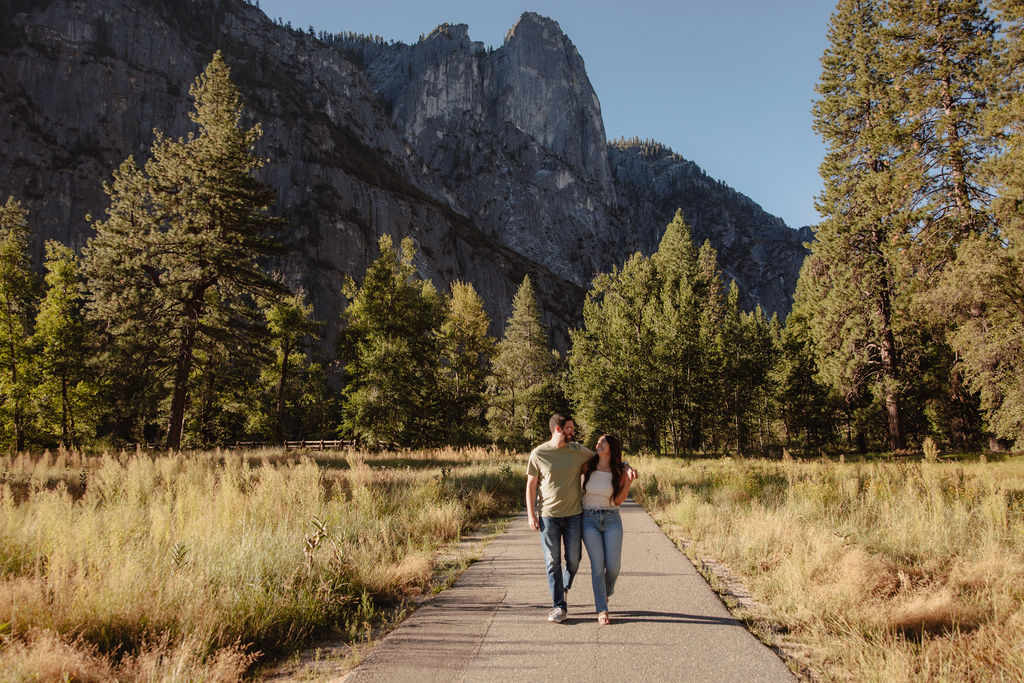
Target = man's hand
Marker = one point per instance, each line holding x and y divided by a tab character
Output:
534	523
631	474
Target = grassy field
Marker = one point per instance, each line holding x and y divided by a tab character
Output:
199	565
876	571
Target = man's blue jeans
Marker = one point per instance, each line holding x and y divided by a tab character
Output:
602	532
554	533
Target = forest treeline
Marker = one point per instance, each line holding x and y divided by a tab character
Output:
907	323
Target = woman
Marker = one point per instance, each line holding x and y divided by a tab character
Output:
605	487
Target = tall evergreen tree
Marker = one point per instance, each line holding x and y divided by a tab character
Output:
850	291
806	405
681	371
746	353
65	393
134	337
466	349
390	350
985	290
645	363
941	60
521	382
18	303
711	391
184	238
613	368
292	327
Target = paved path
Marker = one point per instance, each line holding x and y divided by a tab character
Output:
491	625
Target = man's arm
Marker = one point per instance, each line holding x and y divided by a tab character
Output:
531	501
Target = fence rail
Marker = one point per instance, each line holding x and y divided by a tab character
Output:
303	444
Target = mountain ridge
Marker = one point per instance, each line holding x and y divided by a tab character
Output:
494	160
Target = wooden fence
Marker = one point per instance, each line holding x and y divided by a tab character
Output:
304	444
312	445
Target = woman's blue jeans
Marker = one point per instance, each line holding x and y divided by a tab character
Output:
554	533
602	534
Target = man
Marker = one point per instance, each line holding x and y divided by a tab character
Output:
554	469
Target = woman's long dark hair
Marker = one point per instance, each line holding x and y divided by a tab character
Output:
615	446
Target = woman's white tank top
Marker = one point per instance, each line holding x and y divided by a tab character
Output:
599	491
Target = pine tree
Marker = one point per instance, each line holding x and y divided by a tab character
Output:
850	290
645	364
390	350
65	394
735	371
613	365
18	303
466	349
522	378
134	338
292	327
680	362
986	285
806	406
710	393
941	58
223	371
184	238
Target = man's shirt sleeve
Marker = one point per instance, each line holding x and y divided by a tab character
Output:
532	469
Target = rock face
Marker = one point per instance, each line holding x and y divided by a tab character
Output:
516	134
495	161
755	249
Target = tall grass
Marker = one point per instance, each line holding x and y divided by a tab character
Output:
191	566
866	572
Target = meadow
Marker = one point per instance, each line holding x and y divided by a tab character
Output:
207	565
200	566
867	571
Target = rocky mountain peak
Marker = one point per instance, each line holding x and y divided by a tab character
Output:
533	27
449	37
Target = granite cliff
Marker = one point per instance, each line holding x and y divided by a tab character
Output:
495	161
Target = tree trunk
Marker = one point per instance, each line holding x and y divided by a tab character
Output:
182	370
65	413
890	367
279	423
19	413
897	439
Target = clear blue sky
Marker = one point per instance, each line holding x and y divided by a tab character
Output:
727	84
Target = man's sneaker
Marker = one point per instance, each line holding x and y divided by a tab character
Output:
557	615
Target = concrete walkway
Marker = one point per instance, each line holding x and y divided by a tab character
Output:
491	625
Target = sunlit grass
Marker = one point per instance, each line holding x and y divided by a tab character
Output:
197	565
867	572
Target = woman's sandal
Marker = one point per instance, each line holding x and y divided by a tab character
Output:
604	619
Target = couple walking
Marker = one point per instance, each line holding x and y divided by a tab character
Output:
580	494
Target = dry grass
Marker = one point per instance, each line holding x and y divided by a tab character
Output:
868	572
194	566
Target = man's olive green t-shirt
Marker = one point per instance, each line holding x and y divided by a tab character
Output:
558	471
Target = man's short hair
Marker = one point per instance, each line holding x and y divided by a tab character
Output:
558	420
